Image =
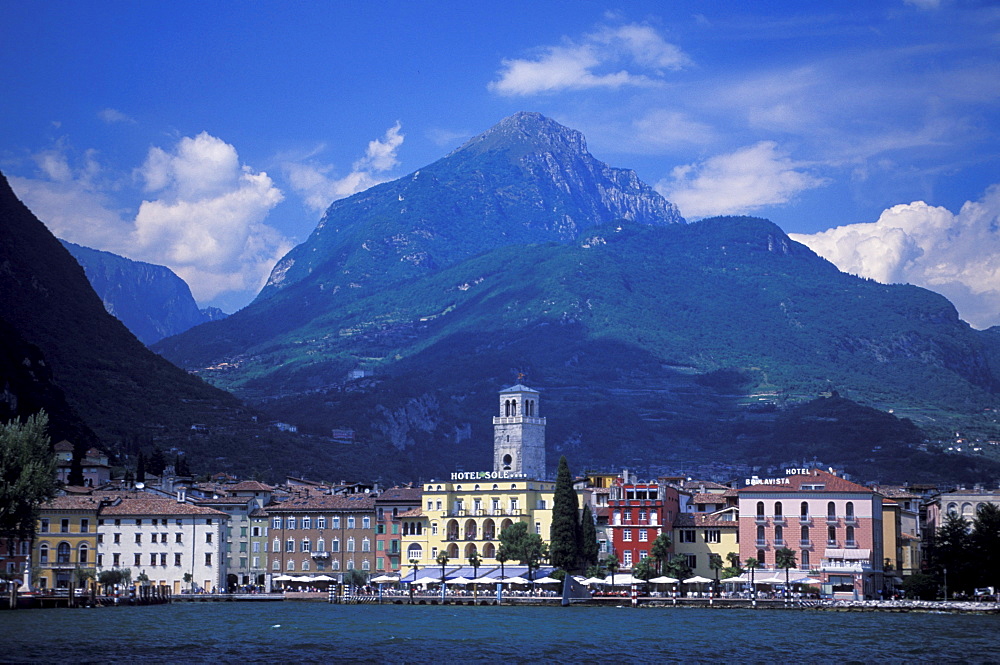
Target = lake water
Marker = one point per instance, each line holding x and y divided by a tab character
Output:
280	632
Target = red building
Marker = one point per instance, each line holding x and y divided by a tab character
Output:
389	505
833	526
639	512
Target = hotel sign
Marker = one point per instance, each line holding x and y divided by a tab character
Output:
486	475
777	481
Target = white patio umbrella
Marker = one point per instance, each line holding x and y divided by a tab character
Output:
427	580
774	579
485	580
515	580
664	580
459	581
283	578
806	580
323	578
547	580
302	578
385	579
697	579
592	580
621	579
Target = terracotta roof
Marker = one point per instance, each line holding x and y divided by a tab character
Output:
830	483
315	502
408	494
709	498
72	502
146	505
63	446
707	484
258	512
223	500
249	486
701	520
416	512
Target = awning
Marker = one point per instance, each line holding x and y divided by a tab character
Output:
849	554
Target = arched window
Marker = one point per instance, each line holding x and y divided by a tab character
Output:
953	509
290	565
779	535
831	511
760	558
453	551
320	545
804	535
336	565
83	553
305	565
777	510
804	560
760	509
849	510
62	553
849	536
831	535
414	551
804	509
489	551
365	565
507	460
43	553
966	510
760	534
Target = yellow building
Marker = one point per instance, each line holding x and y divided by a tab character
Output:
66	540
465	518
698	536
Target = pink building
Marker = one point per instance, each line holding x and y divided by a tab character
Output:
833	526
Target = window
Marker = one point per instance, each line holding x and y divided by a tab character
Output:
84	525
366	545
686	535
64	525
804	510
153	538
177	537
760	536
777	510
713	536
118	539
350	522
208	536
44	525
804	560
163	558
289	522
691	560
306	522
152	559
336	522
831	535
514	507
177	559
83	553
320	545
627	515
350	544
116	559
760	510
335	545
276	523
277	545
290	545
761	558
627	558
849	537
138	539
275	565
831	511
804	535
643	535
255	532
305	565
366	565
137	559
100	539
255	546
779	535
321	522
306	545
849	510
627	535
366	522
414	551
538	528
208	558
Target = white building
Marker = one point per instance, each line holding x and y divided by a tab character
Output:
165	539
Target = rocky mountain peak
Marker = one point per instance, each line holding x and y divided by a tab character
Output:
527	131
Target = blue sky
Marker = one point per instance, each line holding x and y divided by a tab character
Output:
210	136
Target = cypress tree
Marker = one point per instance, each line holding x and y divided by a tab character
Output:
589	549
565	534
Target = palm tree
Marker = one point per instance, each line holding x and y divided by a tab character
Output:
442	560
752	564
661	550
413	563
475	561
785	558
503	558
612	564
715	563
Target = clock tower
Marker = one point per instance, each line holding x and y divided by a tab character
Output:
519	434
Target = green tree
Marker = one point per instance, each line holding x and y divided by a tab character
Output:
715	563
565	535
589	548
661	550
442	560
677	566
140	468
355	578
985	542
189	579
734	569
157	462
785	558
951	554
645	570
920	586
502	558
83	575
611	563
27	474
527	548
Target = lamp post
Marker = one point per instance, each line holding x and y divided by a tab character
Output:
413	562
442	559
475	560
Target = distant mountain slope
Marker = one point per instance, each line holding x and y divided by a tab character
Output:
126	394
151	300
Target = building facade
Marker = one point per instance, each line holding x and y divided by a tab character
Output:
66	539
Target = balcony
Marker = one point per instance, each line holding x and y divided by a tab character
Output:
321	555
831	519
851	544
846	567
761	543
779	542
851	519
779	519
831	543
805	543
760	519
805	519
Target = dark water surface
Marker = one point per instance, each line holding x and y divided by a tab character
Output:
314	632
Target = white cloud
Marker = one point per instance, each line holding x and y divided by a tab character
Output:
737	183
206	221
319	187
112	116
957	255
597	61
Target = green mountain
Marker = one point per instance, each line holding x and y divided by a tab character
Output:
61	351
656	344
151	300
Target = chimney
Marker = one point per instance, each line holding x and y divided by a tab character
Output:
181	495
